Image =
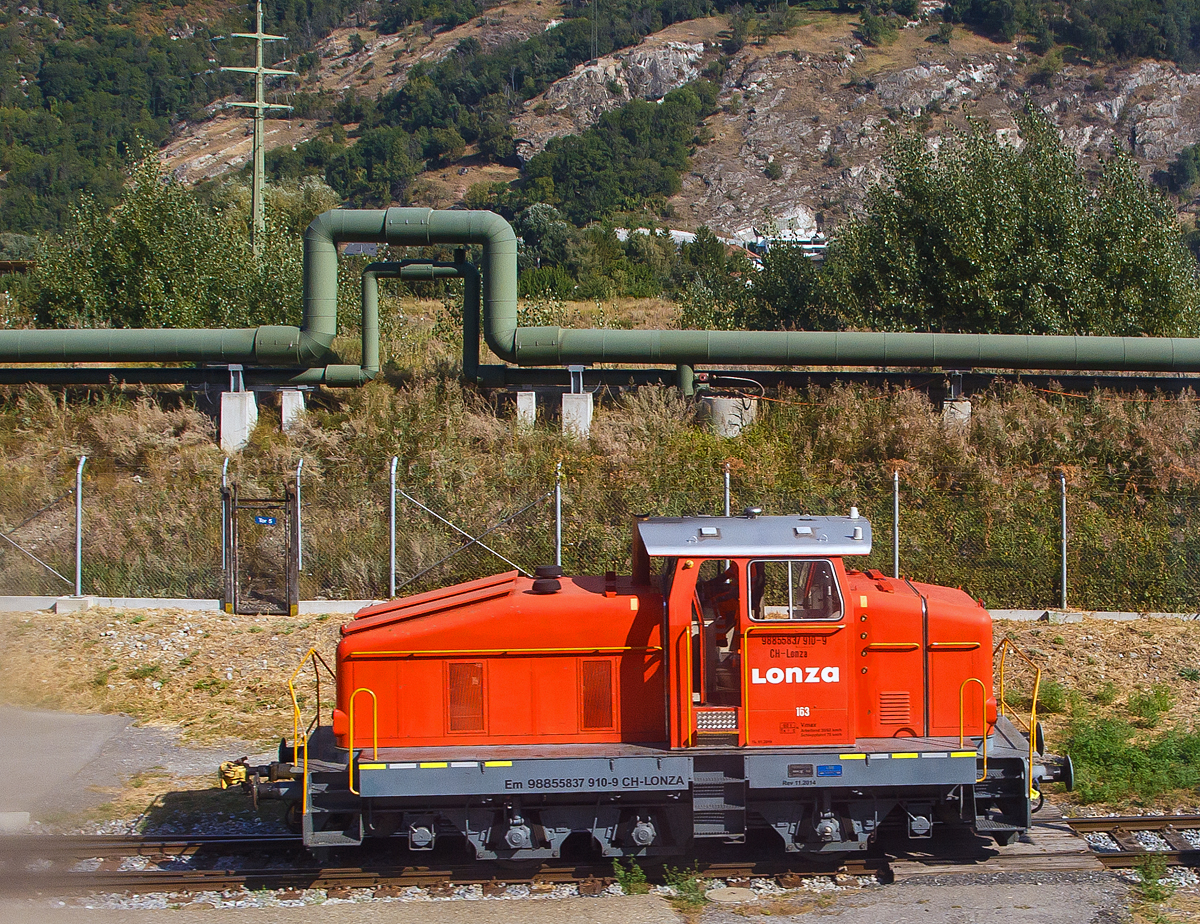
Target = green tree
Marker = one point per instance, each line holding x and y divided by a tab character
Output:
987	238
159	258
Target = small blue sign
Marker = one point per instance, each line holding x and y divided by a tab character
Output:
265	521
829	769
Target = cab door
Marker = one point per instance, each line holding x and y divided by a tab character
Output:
796	645
889	639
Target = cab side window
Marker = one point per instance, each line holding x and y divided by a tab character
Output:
794	590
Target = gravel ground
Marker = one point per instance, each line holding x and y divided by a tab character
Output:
1062	898
1014	898
607	909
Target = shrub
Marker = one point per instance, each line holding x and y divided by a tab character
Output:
545	282
1106	694
1148	706
877	30
773	171
631	877
688	886
982	237
1110	767
1052	697
160	258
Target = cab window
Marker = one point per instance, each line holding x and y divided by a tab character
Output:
793	590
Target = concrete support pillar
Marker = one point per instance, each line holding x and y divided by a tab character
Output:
239	417
526	409
291	406
730	416
577	415
957	412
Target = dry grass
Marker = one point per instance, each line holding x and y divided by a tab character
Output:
211	675
1106	662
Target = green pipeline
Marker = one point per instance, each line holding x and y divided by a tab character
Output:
491	303
544	346
308	347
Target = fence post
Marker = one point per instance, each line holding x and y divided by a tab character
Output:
1062	476
726	489
299	524
224	514
392	528
79	527
558	514
896	523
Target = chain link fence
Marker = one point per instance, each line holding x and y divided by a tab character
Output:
1129	547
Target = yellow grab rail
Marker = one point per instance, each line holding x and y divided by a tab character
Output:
962	719
314	657
374	731
1003	649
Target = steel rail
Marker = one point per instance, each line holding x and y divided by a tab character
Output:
1101	823
167	850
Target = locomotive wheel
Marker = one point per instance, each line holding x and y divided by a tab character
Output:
292	818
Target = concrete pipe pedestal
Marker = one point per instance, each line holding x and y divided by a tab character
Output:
730	416
239	417
577	415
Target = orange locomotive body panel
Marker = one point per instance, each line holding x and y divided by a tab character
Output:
494	662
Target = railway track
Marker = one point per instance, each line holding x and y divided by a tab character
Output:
1176	848
142	864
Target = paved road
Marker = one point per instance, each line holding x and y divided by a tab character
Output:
54	762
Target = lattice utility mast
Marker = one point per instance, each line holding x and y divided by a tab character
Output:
260	106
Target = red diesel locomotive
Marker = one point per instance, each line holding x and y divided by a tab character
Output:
744	677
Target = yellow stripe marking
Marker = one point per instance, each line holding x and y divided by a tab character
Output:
372	766
962	754
905	756
434	765
852	757
497	763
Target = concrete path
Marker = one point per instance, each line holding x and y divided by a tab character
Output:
42	753
58	763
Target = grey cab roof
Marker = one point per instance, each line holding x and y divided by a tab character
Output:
755	537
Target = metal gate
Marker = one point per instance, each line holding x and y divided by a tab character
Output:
261	560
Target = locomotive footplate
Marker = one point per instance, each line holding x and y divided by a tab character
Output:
429	775
505	771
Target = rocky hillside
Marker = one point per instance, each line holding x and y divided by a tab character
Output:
816	102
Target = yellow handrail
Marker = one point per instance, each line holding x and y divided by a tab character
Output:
313	656
962	718
1002	649
374	731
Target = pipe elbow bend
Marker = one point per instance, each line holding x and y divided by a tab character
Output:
314	349
322	229
494	228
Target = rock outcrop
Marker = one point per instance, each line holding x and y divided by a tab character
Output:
649	71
